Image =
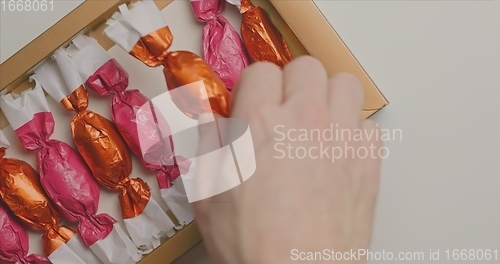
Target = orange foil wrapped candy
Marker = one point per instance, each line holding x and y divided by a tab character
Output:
65	178
144	129
262	39
105	152
21	191
143	33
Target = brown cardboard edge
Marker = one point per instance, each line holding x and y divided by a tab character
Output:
313	26
91	13
20	66
176	246
14	70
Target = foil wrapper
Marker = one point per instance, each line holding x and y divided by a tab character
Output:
97	139
63	174
148	40
15	242
100	144
138	122
262	39
21	191
134	126
221	45
142	126
106	154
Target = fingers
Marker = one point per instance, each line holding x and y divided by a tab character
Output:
345	96
259	84
367	181
304	76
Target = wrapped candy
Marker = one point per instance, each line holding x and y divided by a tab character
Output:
21	191
143	33
103	149
221	45
67	181
262	39
106	77
15	243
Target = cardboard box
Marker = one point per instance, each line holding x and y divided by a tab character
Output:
301	23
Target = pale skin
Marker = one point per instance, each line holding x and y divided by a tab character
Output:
306	204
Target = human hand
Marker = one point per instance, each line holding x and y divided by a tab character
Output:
308	204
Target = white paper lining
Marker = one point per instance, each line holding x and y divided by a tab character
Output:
20	109
87	55
64	255
79	248
236	3
70	74
147	228
4	142
177	201
125	37
127	27
50	78
116	248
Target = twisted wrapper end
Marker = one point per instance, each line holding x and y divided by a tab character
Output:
169	173
153	48
55	236
77	101
245	6
134	197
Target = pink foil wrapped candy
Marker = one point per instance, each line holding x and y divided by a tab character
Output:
22	192
63	174
15	243
222	47
104	150
137	120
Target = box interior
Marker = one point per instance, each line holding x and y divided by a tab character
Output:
187	34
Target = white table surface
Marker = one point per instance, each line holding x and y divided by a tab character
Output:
438	63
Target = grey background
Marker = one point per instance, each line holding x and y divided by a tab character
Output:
438	63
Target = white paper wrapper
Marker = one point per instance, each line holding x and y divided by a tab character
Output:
116	248
147	228
87	55
20	109
4	143
76	244
64	255
70	75
125	37
50	78
127	27
176	199
236	3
